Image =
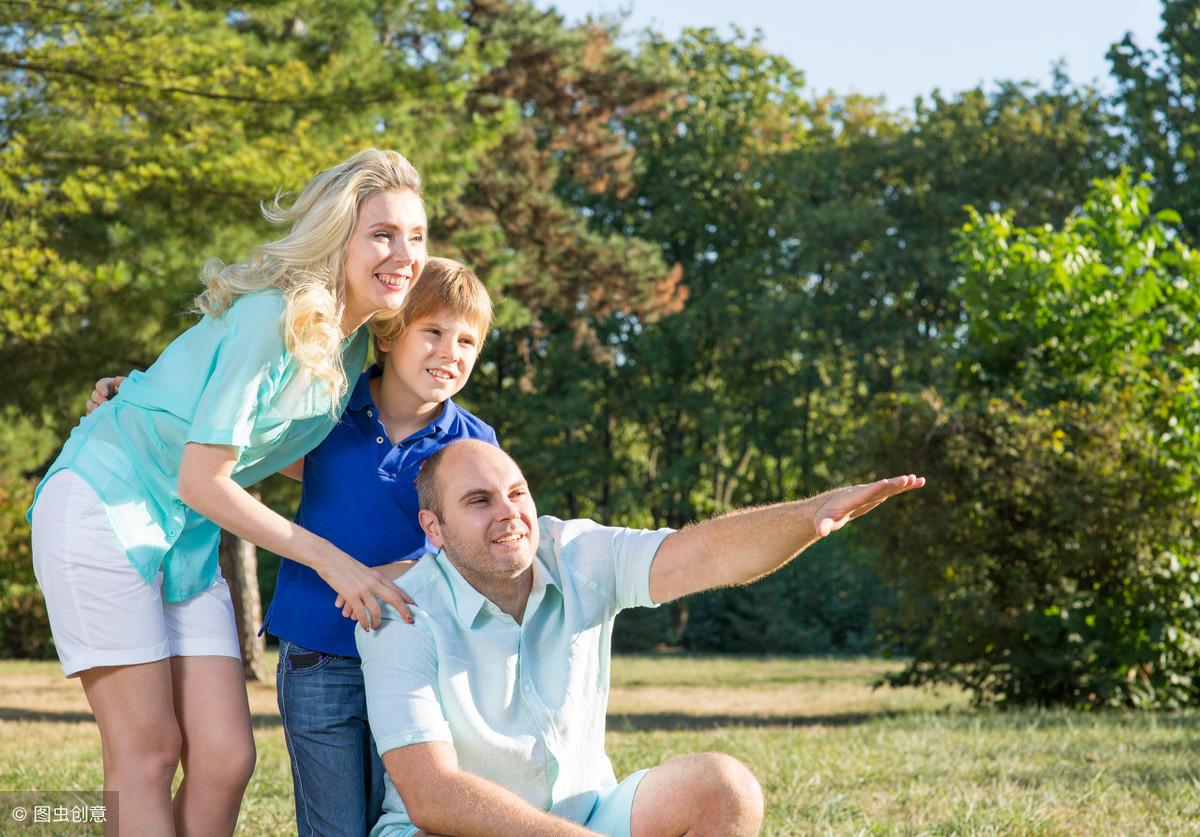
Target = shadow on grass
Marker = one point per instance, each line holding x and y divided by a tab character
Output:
621	722
672	721
41	716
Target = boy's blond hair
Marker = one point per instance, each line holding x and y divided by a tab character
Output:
443	286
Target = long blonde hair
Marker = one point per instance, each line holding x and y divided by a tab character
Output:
306	264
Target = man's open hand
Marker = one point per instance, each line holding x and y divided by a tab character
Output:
844	504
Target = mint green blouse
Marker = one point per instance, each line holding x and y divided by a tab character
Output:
228	380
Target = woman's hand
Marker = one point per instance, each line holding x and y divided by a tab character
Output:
389	572
105	389
360	588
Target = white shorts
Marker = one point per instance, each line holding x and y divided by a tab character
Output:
102	612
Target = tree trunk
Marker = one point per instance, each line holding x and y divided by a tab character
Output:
239	565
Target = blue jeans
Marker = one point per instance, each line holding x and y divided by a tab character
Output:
336	773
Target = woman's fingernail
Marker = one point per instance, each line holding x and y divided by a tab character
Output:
408	619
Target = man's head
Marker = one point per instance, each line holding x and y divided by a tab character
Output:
476	505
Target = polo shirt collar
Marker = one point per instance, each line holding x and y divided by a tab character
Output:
445	420
360	397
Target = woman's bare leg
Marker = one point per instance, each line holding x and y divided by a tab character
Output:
140	737
218	743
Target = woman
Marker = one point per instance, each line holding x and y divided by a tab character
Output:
125	524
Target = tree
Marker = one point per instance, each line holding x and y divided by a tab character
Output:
1062	568
1156	94
183	117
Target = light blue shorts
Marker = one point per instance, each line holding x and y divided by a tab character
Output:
610	815
614	807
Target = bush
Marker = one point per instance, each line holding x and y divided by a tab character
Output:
1050	559
24	629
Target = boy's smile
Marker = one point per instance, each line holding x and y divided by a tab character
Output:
427	364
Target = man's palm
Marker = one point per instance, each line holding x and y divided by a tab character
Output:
845	504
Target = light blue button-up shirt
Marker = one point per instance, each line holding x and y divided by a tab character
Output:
228	380
524	705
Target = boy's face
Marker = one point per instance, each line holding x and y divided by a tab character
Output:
432	358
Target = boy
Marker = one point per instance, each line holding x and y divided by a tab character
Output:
359	494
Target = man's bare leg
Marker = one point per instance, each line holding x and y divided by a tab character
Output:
697	795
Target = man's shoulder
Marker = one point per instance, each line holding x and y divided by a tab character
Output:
566	540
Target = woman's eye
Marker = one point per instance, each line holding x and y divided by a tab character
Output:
383	234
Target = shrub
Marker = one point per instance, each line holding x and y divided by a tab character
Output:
1050	559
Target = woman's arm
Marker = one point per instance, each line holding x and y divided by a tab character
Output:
206	485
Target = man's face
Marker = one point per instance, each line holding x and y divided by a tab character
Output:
489	522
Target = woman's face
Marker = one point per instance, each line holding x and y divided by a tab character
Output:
384	256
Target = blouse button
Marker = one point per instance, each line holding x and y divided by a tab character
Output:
379	440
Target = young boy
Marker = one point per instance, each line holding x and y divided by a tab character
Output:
359	494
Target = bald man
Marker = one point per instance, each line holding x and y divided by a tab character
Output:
489	708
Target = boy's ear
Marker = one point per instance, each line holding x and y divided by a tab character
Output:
432	527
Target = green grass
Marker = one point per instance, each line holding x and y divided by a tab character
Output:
834	755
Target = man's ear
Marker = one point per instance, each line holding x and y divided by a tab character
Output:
432	526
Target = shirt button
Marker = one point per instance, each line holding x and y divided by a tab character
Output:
370	414
525	688
171	533
379	440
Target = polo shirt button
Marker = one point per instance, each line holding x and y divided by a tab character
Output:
370	414
171	533
525	688
379	440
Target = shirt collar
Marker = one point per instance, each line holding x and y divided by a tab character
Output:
445	418
468	601
360	398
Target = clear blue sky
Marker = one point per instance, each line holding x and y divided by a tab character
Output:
904	48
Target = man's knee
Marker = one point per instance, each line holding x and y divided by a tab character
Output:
734	787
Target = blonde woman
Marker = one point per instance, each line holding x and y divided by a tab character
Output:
125	524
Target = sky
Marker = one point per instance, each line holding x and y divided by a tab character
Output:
904	48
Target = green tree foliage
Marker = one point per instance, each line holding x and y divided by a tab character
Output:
813	239
1052	559
139	138
1157	98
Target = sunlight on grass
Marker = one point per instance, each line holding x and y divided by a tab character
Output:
834	754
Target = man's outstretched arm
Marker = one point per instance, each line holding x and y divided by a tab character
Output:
741	546
443	800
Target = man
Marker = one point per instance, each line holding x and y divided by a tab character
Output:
489	709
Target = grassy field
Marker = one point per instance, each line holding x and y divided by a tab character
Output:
834	755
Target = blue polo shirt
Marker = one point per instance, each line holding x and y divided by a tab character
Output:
359	495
